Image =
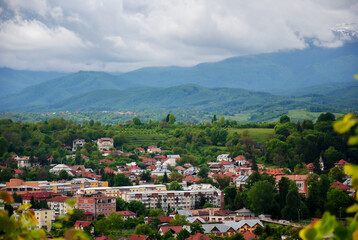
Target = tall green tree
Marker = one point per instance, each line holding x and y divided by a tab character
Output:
262	197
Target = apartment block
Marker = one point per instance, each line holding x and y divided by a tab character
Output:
58	205
175	199
96	203
44	218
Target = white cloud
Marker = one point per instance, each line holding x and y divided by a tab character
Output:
123	35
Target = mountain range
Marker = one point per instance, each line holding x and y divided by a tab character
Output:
320	78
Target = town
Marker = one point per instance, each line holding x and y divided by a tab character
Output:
150	192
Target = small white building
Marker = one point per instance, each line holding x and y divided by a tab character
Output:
104	144
160	169
23	162
224	157
58	205
172	160
79	143
56	169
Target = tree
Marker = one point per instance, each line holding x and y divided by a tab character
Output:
337	202
63	175
284	119
137	121
3	146
168	235
121	205
283	186
122	180
143	229
203	173
261	197
171	119
165	178
214	119
179	220
295	208
229	197
183	234
195	228
175	186
323	117
120	139
137	207
175	176
223	181
336	174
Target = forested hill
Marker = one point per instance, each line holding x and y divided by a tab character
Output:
193	97
272	72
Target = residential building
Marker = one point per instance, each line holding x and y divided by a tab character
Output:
224	157
175	199
154	149
96	203
104	144
78	143
231	228
58	205
44	218
23	162
127	214
124	190
300	181
59	167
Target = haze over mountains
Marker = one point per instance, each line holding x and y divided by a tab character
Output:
320	77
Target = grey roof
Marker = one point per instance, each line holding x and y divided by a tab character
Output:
193	219
242	178
243	210
223	227
220	226
185	213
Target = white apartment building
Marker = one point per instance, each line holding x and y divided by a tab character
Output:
44	217
175	199
122	191
58	205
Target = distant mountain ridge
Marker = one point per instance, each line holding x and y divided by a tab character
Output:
271	72
64	87
13	81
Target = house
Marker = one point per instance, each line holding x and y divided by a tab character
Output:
244	213
231	228
139	237
174	229
341	186
198	236
23	162
57	169
300	181
162	219
148	161
310	167
191	171
17	172
240	160
80	225
127	214
180	169
109	170
241	180
224	157
249	235
341	163
140	149
195	219
171	160
77	143
153	149
106	161
105	144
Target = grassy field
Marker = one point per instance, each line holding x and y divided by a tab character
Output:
260	135
144	137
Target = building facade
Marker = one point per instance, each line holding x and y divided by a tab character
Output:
104	144
96	203
44	218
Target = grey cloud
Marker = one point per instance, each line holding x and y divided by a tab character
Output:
125	35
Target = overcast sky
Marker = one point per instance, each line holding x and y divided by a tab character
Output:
125	35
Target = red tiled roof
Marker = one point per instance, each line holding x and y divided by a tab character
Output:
59	199
341	162
310	166
103	238
162	219
82	223
240	157
18	171
191	179
38	195
126	213
106	161
108	170
341	186
151	167
175	229
198	236
138	237
249	235
274	171
225	163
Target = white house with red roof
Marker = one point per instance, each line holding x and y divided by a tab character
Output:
154	149
240	160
